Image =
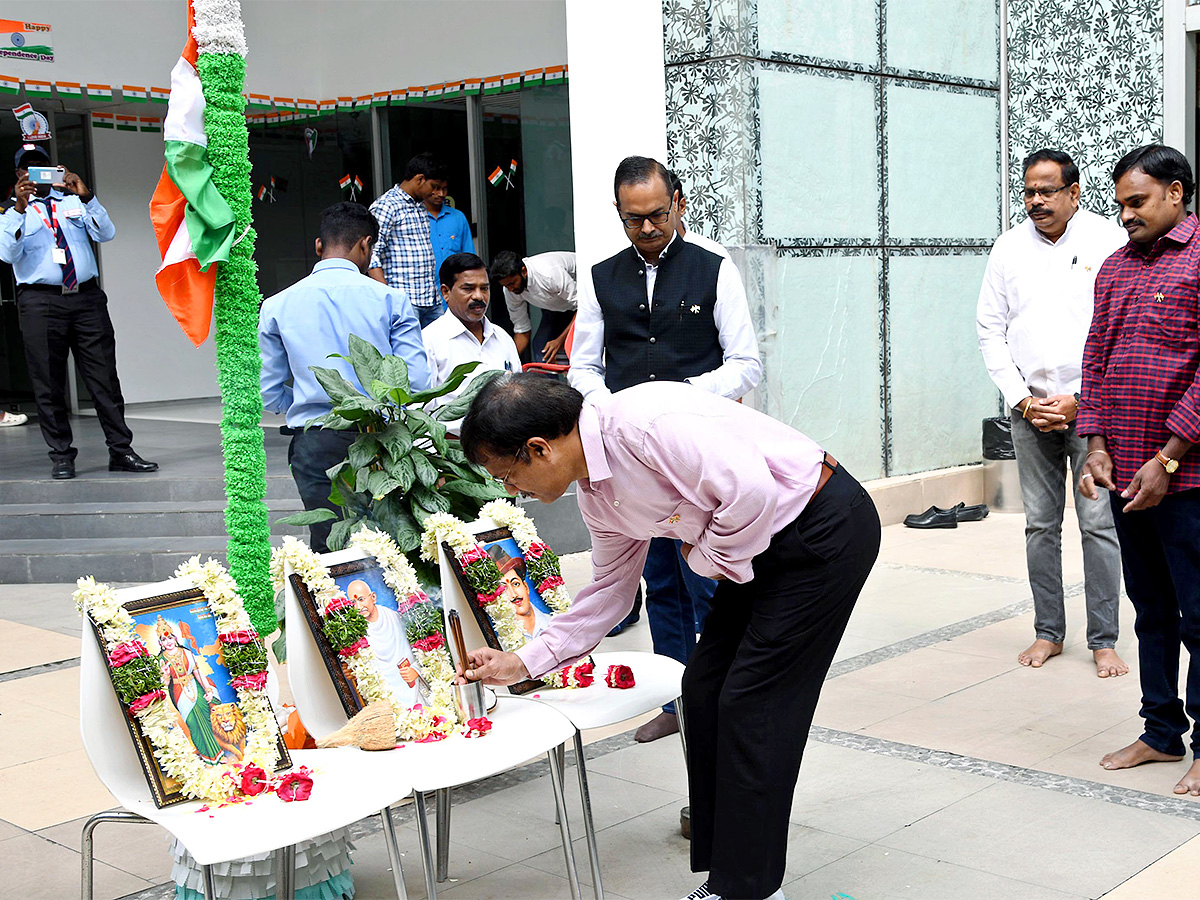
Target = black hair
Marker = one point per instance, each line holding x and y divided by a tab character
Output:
511	409
677	185
639	170
457	263
428	165
344	224
506	264
1163	164
1066	165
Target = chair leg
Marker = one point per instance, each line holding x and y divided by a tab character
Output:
556	779
86	852
442	812
426	846
561	752
680	712
589	826
393	849
210	884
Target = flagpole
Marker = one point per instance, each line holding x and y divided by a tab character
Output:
222	67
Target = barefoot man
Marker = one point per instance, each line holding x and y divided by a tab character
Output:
1034	309
1141	410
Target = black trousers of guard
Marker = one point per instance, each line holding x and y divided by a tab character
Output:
752	685
310	455
54	324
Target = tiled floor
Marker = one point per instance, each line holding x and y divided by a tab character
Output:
938	767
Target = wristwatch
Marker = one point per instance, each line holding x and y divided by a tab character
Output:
1167	463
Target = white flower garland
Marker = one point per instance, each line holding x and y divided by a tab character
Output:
524	532
415	723
158	720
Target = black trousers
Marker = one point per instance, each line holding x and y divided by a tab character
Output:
751	687
54	324
311	454
554	323
1160	554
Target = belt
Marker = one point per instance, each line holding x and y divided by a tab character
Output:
828	465
58	288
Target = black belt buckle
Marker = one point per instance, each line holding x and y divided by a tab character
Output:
71	290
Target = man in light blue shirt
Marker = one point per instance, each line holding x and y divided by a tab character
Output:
46	234
300	326
449	230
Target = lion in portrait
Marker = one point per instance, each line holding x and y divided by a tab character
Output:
229	729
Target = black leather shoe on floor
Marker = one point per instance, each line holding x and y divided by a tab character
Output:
972	513
130	462
63	470
934	517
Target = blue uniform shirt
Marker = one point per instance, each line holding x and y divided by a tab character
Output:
449	233
27	242
300	326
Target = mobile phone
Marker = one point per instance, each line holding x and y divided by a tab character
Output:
47	174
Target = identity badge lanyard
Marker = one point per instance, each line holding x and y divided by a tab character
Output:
58	254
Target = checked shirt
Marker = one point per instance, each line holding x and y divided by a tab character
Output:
1142	354
404	250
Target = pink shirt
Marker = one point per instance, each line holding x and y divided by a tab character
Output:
671	460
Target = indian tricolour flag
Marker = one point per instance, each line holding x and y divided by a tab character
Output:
192	222
38	89
160	95
99	92
9	85
71	89
497	176
133	93
512	81
492	84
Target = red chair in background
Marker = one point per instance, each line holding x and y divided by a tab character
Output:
554	368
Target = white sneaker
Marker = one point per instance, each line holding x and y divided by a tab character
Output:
7	418
702	893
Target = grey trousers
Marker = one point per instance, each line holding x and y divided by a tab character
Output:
1042	465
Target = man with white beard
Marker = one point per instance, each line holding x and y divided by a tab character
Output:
389	643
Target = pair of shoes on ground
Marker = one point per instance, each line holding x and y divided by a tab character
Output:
117	462
8	419
936	517
703	893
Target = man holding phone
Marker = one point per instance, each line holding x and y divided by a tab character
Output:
45	236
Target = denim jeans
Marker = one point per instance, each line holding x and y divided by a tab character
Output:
429	314
677	601
1042	465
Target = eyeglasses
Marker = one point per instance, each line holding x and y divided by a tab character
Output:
656	218
504	481
1046	193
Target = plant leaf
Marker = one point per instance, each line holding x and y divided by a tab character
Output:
436	430
364	451
335	384
310	517
427	473
456	377
431	500
397	440
366	359
394	371
362	478
458	408
340	533
279	645
474	490
393	516
380	484
404	472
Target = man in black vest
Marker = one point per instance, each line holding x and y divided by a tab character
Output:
664	308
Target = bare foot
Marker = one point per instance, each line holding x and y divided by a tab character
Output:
1137	753
1108	664
1039	651
1190	783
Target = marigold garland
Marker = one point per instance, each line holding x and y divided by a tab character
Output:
140	688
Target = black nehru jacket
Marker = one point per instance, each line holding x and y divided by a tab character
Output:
672	339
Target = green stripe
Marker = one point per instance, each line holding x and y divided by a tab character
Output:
96	123
127	128
209	218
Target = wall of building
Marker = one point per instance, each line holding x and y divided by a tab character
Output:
850	152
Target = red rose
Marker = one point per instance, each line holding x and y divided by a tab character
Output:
587	667
243	636
549	583
123	653
295	785
535	551
472	554
620	677
430	643
411	601
495	595
335	604
478	727
350	650
145	700
254	681
254	781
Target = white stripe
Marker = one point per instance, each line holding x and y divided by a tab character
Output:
185	111
219	27
180	248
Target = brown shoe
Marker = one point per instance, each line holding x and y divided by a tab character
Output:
660	726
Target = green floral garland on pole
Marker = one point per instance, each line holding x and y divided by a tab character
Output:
235	309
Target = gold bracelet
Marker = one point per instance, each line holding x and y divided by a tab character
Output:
1025	412
1105	452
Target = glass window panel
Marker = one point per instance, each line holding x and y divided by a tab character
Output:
949	37
844	31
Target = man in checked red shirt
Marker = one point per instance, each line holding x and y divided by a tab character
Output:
1140	406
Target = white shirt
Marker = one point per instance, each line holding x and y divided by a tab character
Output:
741	367
390	646
550	284
1035	305
449	344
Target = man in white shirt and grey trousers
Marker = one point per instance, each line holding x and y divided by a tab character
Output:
1034	311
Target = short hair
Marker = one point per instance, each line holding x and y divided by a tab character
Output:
506	264
1163	164
639	170
428	165
511	409
456	264
1070	171
345	224
677	185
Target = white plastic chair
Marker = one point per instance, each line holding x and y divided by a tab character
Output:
521	731
349	784
657	679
